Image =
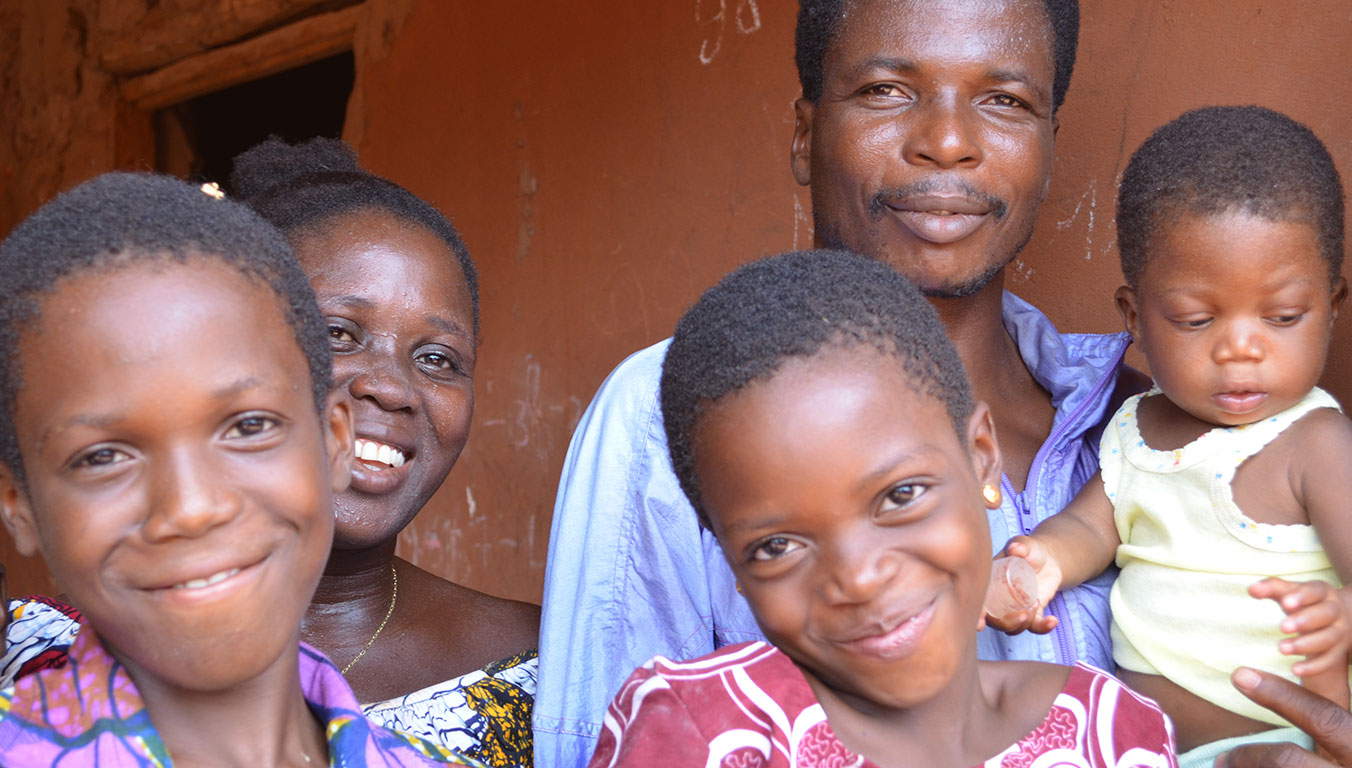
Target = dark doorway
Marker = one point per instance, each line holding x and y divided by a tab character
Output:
197	139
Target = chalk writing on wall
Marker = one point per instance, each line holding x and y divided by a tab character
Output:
713	14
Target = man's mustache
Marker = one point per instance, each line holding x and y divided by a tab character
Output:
901	197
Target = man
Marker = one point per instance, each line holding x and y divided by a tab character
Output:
926	132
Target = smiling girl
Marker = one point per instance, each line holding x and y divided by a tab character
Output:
820	423
170	444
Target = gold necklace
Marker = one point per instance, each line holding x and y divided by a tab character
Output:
394	597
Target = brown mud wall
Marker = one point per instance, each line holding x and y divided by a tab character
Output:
607	161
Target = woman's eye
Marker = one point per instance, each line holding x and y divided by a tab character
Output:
438	362
341	336
901	495
775	547
101	458
251	426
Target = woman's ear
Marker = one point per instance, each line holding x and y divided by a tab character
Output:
16	512
982	446
339	439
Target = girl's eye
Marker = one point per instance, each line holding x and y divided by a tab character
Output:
774	547
251	426
903	494
101	457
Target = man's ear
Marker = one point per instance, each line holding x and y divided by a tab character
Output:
16	512
1125	298
800	151
339	439
981	444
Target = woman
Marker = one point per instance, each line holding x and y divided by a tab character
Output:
400	295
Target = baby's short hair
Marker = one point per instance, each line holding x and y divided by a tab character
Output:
123	218
1217	160
792	306
296	186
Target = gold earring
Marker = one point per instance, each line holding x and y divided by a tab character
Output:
991	494
738	585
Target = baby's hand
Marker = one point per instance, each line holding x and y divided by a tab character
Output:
1321	620
1048	581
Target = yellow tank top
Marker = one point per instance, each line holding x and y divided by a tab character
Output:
1180	607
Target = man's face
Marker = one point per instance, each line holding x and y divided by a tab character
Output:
931	145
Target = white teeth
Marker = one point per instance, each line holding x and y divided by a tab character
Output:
214	578
370	450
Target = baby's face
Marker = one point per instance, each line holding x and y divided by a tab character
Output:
1234	313
179	478
852	517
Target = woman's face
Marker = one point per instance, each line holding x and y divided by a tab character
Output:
401	325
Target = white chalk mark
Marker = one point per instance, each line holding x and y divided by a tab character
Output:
470	502
755	24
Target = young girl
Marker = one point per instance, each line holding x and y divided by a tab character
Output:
1228	481
169	442
820	424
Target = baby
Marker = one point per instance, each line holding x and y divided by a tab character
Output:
169	443
1229	480
820	423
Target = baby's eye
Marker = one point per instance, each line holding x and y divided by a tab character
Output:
101	457
1284	320
774	547
903	494
251	426
1193	323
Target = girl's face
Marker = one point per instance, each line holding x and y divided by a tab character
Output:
1234	313
852	517
401	325
179	479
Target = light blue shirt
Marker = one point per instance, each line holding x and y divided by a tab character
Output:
631	574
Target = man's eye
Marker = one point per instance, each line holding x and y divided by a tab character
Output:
773	548
1005	100
251	426
341	335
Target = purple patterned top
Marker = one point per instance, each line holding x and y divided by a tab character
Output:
88	714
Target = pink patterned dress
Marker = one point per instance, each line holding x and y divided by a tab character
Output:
749	706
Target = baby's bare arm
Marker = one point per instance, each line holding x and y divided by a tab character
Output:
1321	475
1082	538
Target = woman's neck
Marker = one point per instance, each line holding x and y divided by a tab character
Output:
352	602
262	722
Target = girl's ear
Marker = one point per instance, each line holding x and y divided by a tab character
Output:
1339	295
17	513
339	439
1126	307
982	446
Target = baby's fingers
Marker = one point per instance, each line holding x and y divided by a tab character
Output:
1320	662
1272	588
1312	617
